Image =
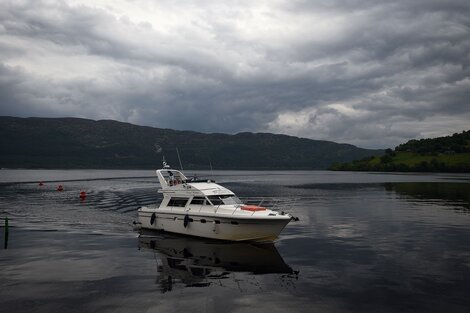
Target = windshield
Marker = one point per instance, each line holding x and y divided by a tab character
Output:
224	199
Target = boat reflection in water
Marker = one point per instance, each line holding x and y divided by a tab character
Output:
195	262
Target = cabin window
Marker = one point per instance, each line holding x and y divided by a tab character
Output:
178	202
224	199
230	199
198	200
215	200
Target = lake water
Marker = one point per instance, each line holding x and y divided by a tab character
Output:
365	242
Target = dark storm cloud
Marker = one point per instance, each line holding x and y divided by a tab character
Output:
365	72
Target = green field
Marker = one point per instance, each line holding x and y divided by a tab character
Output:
410	158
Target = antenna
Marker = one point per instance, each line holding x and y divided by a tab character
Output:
212	172
179	159
165	165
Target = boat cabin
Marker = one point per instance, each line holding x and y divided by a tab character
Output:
181	192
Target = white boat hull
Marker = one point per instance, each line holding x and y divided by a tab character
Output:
229	227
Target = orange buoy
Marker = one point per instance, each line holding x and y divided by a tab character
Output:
82	195
60	188
41	183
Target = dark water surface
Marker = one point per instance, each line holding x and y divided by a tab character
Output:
364	243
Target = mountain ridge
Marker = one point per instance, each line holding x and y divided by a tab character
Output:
70	142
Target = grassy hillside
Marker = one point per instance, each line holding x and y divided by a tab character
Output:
443	154
82	143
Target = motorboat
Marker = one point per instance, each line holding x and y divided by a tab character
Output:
206	209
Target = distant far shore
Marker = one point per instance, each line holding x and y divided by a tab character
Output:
409	162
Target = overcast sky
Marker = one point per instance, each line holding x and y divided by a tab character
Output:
370	73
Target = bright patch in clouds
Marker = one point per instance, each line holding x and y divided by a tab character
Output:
370	73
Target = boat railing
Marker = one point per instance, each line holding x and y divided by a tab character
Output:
258	201
273	203
217	208
237	206
276	203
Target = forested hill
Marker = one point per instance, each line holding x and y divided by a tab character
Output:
82	143
457	143
443	154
